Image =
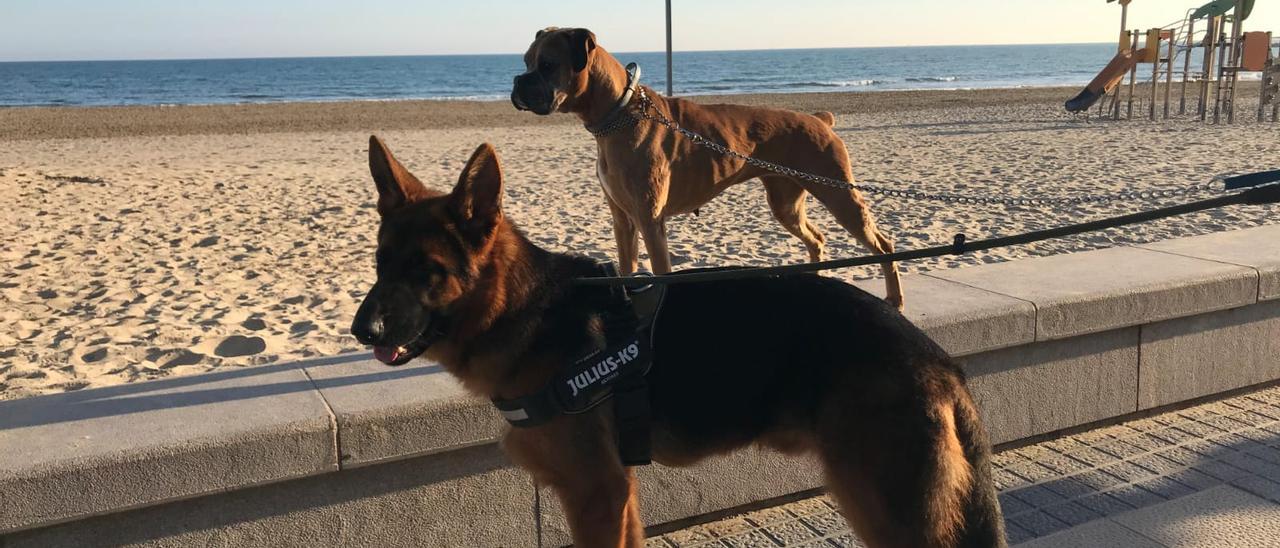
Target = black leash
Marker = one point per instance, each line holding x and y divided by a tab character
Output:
1254	195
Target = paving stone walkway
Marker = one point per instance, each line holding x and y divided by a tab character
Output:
1208	475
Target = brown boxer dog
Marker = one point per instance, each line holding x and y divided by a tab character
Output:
650	173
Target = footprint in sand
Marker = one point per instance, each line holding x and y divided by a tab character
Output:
303	327
254	324
239	345
184	357
208	241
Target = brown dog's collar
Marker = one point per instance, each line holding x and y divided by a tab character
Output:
618	117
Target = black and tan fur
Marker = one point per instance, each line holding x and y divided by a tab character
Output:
803	364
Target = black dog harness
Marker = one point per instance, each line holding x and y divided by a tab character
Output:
617	370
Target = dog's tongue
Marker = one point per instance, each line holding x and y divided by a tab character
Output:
386	354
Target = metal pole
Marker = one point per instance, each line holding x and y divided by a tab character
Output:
669	93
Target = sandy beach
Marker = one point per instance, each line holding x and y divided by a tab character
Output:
144	242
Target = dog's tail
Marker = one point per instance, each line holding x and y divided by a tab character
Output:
825	116
981	523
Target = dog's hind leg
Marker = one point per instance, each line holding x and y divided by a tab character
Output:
869	473
849	209
786	200
899	471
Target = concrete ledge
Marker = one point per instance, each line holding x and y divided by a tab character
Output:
78	454
962	319
670	494
1039	388
346	451
407	411
1196	356
469	497
1083	293
1258	248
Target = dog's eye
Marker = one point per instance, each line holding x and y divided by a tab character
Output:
546	66
434	272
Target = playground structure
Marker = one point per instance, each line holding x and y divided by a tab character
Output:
1227	51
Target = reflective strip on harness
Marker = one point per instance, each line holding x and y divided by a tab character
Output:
583	385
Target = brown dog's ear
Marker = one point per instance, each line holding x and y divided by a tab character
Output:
396	186
581	43
477	198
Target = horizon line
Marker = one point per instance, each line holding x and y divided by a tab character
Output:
273	57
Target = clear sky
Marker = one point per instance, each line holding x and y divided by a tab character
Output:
166	29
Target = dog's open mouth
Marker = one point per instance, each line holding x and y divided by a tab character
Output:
402	354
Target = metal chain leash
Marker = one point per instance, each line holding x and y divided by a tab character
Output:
646	105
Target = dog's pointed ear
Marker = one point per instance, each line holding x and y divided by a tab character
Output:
581	43
477	198
396	186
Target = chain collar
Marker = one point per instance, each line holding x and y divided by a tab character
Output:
620	117
647	106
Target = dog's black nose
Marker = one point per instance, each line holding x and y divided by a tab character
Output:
368	332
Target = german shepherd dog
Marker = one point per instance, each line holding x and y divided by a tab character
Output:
801	364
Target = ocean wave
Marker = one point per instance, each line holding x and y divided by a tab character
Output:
828	83
490	97
932	79
724	85
835	84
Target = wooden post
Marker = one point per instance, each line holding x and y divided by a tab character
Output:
669	92
1262	95
1124	16
1133	77
1222	63
1168	75
1237	58
1155	77
1275	108
1206	70
1186	65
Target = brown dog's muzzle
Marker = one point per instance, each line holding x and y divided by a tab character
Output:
530	91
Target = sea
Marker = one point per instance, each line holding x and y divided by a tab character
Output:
488	77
